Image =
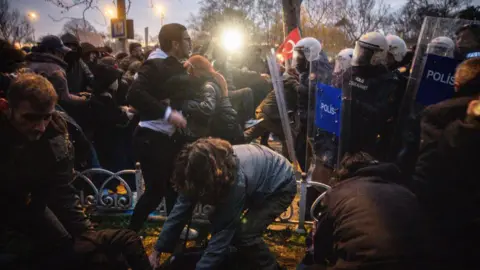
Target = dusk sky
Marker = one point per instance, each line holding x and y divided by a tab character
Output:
140	11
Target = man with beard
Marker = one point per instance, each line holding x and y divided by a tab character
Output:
136	54
79	76
156	141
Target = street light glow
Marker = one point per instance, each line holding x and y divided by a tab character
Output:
32	15
159	10
110	13
232	40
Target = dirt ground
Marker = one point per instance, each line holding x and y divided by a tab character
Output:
287	245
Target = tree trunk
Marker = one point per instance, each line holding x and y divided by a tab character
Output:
291	15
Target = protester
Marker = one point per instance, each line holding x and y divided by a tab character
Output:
249	186
369	221
108	118
136	54
12	61
156	142
79	76
467	40
90	54
47	60
445	178
208	111
36	169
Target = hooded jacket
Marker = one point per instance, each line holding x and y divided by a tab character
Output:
370	222
79	76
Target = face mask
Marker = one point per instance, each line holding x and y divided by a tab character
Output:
114	86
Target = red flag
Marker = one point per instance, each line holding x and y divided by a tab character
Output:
286	49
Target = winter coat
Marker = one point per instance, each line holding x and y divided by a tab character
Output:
370	222
52	68
148	93
79	76
35	182
446	179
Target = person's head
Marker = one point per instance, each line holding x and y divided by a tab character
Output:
11	58
31	104
343	60
370	50
120	56
467	39
89	52
53	45
175	41
441	46
353	162
305	51
71	41
205	170
108	49
467	78
397	49
134	67
106	78
136	50
199	66
109	61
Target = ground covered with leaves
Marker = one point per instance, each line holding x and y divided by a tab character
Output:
284	242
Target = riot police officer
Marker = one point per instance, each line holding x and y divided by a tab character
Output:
368	89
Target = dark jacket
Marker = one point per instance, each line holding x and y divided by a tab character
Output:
446	176
52	68
269	108
369	222
148	93
79	76
35	182
261	173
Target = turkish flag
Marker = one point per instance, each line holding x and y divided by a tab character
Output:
286	49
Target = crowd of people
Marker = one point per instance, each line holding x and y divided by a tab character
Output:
190	120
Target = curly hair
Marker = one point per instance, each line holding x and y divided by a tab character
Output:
205	169
352	162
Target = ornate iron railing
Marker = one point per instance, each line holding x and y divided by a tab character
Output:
106	192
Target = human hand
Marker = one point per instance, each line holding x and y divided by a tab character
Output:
177	119
473	113
154	259
265	76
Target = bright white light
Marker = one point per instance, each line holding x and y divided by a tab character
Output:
159	10
232	40
110	13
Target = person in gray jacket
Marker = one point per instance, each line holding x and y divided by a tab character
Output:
248	186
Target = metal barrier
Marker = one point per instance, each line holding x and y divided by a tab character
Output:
104	200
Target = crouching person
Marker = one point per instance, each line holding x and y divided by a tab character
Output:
248	185
370	222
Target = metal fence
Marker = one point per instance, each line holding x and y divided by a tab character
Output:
97	191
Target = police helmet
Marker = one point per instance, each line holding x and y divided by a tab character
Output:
343	60
370	49
310	47
441	46
397	47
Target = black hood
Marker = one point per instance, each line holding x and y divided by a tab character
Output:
45	58
386	171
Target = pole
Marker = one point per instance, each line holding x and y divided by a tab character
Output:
162	16
121	14
146	38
